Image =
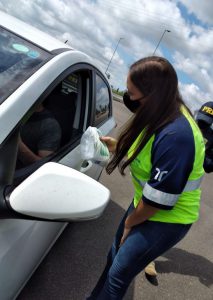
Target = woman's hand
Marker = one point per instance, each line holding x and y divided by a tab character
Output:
140	214
110	142
125	235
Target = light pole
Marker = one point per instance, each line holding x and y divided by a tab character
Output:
113	55
160	40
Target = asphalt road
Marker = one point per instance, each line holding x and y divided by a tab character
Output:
72	267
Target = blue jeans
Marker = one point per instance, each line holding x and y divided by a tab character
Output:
145	243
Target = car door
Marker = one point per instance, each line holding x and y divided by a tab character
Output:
79	98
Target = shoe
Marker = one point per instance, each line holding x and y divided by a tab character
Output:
151	273
150	269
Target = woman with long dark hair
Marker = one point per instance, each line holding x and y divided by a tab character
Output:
164	149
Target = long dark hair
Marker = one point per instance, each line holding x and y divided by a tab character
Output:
157	80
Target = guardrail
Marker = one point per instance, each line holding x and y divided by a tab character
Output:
117	97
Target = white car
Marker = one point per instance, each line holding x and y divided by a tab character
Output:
51	186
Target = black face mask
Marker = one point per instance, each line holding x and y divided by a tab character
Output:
132	105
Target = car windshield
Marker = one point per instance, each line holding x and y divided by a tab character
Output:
19	59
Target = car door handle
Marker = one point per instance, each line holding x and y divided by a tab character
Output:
86	165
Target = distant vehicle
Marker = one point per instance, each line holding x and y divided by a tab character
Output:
38	199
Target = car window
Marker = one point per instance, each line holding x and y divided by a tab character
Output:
18	60
53	125
102	101
62	103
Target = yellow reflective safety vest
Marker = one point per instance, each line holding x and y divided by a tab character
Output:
186	207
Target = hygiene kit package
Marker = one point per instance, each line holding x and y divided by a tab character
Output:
92	148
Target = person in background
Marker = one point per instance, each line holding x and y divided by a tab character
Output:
204	120
167	184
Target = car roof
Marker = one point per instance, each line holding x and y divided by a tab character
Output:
30	33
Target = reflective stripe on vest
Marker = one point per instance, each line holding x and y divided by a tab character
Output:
191	185
159	197
166	198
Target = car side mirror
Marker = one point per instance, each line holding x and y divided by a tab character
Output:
57	192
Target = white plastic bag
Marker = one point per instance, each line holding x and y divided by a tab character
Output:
91	146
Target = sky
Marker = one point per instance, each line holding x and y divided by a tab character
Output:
133	28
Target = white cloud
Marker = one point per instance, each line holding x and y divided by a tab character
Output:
109	54
202	9
195	70
95	27
193	96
